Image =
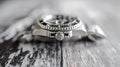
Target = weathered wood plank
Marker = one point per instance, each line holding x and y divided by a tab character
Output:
30	55
79	54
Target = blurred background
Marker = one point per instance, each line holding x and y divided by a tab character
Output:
105	13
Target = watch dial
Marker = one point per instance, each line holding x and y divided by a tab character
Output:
58	19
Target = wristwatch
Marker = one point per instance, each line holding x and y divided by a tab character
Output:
64	27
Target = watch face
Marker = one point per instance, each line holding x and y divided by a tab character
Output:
58	22
58	19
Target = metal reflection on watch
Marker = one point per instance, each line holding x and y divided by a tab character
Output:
62	27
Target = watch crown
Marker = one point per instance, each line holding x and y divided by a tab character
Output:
59	35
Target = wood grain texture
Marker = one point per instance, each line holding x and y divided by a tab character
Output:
59	54
30	54
90	55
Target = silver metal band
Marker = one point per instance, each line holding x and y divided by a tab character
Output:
41	32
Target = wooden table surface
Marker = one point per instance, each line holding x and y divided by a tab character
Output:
84	53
